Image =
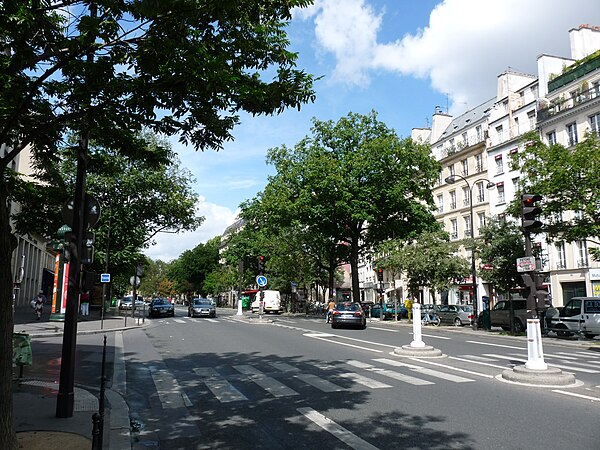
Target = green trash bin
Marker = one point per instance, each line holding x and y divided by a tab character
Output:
21	351
487	321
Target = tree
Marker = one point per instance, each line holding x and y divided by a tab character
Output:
189	271
501	244
354	183
139	198
113	69
568	180
429	260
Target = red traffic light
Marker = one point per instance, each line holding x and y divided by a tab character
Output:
379	274
529	211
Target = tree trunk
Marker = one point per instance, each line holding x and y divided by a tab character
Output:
8	437
354	270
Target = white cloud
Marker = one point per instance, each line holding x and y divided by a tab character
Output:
462	50
169	246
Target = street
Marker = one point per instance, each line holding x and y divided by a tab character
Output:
296	383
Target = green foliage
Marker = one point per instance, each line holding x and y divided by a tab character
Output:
189	271
568	180
502	243
428	260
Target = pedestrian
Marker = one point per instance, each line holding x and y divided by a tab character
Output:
84	300
39	304
329	310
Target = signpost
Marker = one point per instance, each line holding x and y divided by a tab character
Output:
105	278
526	264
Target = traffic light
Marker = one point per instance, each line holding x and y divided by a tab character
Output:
261	264
379	274
529	289
529	211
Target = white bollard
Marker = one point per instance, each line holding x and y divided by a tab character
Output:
416	316
535	352
239	311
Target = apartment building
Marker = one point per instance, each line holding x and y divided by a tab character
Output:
568	108
32	264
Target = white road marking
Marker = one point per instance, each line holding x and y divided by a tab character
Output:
319	383
494	345
485	375
284	367
433	336
221	388
365	381
383	329
186	400
390	373
211	320
573	394
560	366
348	438
167	389
269	384
478	362
178	321
343	343
592	354
478	358
430	372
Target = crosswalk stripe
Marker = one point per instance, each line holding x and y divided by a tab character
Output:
167	389
178	321
221	388
560	366
269	384
348	438
478	358
568	360
211	320
590	354
365	381
424	370
319	383
284	367
481	363
494	345
458	369
390	373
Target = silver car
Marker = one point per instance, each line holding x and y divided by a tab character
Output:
202	307
457	315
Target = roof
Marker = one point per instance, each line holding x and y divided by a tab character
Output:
467	119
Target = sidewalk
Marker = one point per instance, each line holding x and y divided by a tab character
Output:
35	395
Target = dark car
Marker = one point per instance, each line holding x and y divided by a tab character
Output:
202	307
348	313
161	307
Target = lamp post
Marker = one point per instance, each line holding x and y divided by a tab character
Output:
451	180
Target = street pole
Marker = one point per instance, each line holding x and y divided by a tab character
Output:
473	267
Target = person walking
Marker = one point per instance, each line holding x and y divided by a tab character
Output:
329	311
39	304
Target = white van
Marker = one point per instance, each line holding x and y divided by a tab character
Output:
581	314
272	301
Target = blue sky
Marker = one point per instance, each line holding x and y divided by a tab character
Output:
401	58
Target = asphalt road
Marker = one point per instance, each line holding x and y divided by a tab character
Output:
295	383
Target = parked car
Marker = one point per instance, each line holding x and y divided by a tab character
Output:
388	311
457	315
161	307
500	315
581	314
127	303
202	307
348	313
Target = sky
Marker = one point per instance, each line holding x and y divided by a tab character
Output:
400	58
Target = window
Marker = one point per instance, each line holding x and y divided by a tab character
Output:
531	119
582	260
466	196
467	220
551	137
500	133
465	167
515	183
478	163
440	203
452	199
480	192
454	227
595	89
451	169
560	253
595	124
572	133
465	139
479	132
517	129
480	220
500	190
499	165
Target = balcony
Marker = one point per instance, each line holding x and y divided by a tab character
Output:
466	202
453	205
560	105
582	263
454	236
561	265
577	70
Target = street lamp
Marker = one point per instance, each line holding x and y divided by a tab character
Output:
451	180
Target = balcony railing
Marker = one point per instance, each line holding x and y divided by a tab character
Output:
582	263
581	69
453	205
454	236
561	265
560	105
466	202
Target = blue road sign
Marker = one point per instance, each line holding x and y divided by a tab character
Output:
261	280
105	277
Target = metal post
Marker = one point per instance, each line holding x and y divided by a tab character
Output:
102	389
473	267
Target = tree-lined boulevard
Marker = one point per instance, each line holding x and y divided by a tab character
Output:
293	382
